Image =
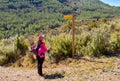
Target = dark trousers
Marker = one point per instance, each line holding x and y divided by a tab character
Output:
40	63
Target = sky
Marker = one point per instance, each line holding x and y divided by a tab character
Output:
112	2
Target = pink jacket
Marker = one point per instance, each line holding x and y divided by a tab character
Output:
42	50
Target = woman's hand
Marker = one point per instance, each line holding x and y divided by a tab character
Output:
49	48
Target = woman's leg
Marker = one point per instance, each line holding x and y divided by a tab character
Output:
40	63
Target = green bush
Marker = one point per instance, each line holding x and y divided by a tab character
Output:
61	46
81	41
93	24
114	41
7	52
104	20
3	59
88	43
12	49
92	43
21	44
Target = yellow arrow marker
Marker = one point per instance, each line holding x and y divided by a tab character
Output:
68	16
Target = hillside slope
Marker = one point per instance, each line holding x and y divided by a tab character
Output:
31	16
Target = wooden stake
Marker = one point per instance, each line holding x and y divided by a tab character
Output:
72	17
73	35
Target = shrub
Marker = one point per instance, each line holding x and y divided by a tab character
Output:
3	59
93	24
81	41
104	20
114	41
7	52
92	43
1	36
61	46
11	49
21	44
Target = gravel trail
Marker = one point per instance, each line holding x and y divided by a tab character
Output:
106	69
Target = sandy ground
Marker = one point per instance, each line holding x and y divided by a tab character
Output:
106	69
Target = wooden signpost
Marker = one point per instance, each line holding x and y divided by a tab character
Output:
72	17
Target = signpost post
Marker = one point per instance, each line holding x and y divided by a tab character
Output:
72	17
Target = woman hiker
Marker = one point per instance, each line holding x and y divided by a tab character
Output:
40	51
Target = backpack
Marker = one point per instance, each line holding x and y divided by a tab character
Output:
35	48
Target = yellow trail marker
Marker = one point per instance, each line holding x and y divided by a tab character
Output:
68	16
71	17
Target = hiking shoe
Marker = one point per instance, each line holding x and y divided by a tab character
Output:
41	75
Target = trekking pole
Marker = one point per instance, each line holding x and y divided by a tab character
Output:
50	57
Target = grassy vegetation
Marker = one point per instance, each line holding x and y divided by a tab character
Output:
61	46
12	49
89	41
31	16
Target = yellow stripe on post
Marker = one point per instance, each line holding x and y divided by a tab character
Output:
68	16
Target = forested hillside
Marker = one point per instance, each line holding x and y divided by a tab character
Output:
31	16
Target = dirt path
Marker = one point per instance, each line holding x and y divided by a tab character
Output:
82	70
8	74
